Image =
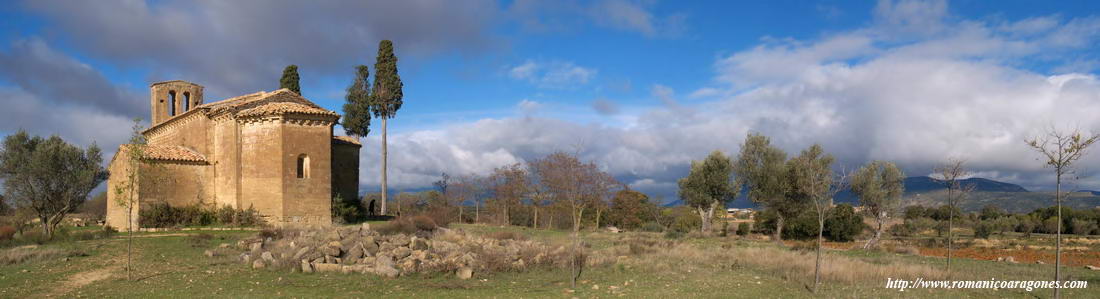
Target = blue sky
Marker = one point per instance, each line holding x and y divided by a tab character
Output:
641	87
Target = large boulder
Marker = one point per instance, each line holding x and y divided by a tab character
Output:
332	249
356	251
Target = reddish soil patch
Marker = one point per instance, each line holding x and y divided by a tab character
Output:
1069	258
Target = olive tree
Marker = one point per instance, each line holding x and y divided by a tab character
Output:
709	185
762	168
49	176
879	186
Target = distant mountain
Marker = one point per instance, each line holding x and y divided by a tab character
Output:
913	186
921	184
1089	191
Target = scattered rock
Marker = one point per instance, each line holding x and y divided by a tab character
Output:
267	257
256	247
322	268
464	273
208	253
332	249
419	244
1091	267
258	264
224	245
301	253
1040	262
307	267
595	287
401	252
613	229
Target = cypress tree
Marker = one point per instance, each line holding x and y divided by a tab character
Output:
357	106
386	98
290	79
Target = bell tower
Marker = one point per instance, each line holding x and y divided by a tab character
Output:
171	98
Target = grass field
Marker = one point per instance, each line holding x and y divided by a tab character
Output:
173	265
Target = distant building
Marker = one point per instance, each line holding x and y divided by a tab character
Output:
272	151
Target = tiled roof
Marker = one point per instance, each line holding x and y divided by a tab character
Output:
279	108
345	140
172	153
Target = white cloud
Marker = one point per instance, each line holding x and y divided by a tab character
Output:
528	107
552	74
861	94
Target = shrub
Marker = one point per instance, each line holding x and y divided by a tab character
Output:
983	229
905	229
164	215
400	225
6	232
652	227
506	235
843	225
346	210
673	234
743	229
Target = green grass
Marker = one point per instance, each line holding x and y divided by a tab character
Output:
170	266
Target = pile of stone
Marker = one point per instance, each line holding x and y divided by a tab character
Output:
359	249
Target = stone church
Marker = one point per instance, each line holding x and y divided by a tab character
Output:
271	151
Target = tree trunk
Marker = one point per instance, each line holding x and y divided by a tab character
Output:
535	224
384	157
878	234
779	229
705	226
477	211
1058	235
817	263
598	212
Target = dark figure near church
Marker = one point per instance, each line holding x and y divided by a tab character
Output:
370	209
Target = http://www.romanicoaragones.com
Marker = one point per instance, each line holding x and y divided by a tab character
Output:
992	283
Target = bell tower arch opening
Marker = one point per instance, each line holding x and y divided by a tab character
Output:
171	98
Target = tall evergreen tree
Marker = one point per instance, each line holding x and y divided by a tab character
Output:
357	106
386	98
290	79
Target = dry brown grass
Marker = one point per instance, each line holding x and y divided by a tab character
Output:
24	254
788	264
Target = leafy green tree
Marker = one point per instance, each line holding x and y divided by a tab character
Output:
844	224
990	212
289	80
762	168
1061	150
356	120
386	98
49	175
709	185
812	179
879	187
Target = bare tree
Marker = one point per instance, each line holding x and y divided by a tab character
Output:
126	190
509	184
1061	150
575	185
879	186
950	173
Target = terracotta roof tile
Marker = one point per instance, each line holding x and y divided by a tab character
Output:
172	153
345	140
278	108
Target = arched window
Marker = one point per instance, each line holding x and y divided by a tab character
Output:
303	166
172	103
186	101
